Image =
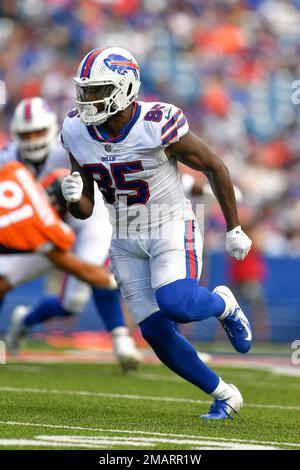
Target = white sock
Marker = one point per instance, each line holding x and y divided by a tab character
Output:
120	331
222	392
227	306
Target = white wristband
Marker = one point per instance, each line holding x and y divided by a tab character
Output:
233	231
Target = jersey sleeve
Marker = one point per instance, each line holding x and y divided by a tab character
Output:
50	229
9	153
59	236
174	125
37	238
64	141
30	224
67	129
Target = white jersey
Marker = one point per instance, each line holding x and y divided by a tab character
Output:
137	180
57	158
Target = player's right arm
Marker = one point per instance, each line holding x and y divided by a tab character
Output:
92	274
78	190
195	153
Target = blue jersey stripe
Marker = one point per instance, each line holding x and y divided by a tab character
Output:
169	137
181	123
170	122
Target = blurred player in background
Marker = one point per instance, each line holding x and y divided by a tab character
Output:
29	224
194	187
131	149
34	128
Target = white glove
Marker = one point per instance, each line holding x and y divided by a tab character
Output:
72	187
237	243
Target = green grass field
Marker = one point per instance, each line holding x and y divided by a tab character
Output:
91	406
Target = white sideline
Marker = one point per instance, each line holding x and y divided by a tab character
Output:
137	397
149	433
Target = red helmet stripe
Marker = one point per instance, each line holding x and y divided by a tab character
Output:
87	65
124	64
27	110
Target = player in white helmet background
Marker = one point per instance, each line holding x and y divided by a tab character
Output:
132	149
34	128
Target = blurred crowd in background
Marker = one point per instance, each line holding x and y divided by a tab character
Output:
229	64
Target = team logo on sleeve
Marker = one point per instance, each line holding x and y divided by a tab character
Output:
121	65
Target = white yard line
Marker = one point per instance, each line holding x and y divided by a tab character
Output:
57	443
68	441
151	441
130	440
215	440
137	397
99	440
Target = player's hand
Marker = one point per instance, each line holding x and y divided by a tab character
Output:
238	243
72	187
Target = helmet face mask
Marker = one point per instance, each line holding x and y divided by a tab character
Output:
32	145
95	103
34	127
94	92
107	82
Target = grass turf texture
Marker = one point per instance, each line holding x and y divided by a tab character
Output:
131	423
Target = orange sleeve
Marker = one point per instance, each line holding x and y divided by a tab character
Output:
59	235
27	220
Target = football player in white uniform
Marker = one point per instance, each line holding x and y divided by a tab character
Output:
34	128
131	149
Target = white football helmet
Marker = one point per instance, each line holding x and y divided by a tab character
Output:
107	81
34	127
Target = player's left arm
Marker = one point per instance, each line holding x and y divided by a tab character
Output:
196	154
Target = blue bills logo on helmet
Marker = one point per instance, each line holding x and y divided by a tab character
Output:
121	65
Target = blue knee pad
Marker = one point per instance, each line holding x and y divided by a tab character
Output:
183	301
157	328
